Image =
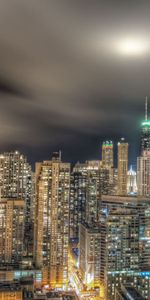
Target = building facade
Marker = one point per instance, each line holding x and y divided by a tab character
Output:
89	259
107	154
16	182
145	133
52	221
126	231
11	231
122	167
143	174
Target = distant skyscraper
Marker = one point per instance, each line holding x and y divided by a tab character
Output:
11	231
131	182
122	167
107	154
52	220
16	182
143	174
145	133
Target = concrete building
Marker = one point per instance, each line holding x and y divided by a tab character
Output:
88	182
10	291
52	220
145	133
107	154
16	182
131	182
89	259
143	174
11	231
125	233
122	167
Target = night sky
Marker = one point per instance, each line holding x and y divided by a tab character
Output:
72	73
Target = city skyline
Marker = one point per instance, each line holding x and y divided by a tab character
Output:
57	83
74	150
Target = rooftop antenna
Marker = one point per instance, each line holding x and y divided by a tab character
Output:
146	108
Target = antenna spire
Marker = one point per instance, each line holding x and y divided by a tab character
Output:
146	108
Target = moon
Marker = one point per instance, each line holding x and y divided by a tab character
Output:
132	47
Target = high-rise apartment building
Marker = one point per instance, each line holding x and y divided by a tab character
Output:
122	167
11	231
16	182
143	174
88	182
90	254
52	220
125	234
78	188
145	133
107	154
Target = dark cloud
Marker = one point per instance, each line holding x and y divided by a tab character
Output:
63	83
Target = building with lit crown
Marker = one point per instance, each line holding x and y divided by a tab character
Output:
131	182
145	133
107	154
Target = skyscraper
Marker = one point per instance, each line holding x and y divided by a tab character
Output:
52	220
88	182
132	182
77	198
16	182
11	231
145	133
107	154
122	167
125	237
90	254
143	174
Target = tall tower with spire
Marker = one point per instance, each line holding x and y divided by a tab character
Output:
145	132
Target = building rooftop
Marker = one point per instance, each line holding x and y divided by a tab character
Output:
10	286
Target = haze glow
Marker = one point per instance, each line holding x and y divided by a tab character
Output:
132	47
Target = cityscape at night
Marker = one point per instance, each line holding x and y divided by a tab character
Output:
74	150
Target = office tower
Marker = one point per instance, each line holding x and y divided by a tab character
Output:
122	167
143	174
145	133
108	158
125	233
52	220
90	254
88	182
16	182
107	154
77	198
131	182
11	231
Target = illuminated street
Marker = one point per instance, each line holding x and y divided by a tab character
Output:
83	292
